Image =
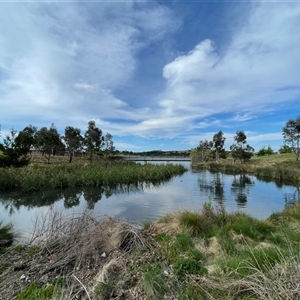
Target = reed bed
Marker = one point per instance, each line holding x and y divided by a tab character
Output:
36	177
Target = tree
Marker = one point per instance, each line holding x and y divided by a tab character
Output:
218	144
241	150
291	135
73	140
285	149
204	149
13	154
93	139
48	141
108	144
265	151
26	138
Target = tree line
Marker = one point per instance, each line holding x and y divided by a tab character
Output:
17	146
242	151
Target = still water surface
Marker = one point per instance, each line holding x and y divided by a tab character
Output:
148	202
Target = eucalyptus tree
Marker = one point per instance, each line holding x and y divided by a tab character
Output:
218	144
73	140
93	139
241	150
26	138
108	144
48	141
204	148
291	135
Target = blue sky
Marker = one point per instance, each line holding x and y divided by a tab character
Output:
156	75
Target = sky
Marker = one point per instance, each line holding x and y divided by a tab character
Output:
157	75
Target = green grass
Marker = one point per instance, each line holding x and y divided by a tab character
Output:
36	177
184	266
154	281
33	291
203	223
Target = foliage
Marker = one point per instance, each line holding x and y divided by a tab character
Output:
218	144
108	144
25	138
73	140
265	151
285	149
241	150
204	149
48	141
14	151
93	139
291	135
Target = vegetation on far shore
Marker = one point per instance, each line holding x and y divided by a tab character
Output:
209	254
278	167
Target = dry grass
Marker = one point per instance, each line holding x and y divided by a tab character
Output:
84	248
80	240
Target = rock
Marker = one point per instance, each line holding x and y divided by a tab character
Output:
23	277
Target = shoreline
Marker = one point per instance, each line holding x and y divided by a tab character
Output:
276	167
183	255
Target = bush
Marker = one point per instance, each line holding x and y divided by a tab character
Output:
265	151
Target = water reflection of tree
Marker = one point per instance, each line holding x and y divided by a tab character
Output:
13	201
292	198
240	187
219	189
71	197
92	196
212	186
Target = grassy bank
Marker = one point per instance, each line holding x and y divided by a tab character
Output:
40	176
280	167
208	254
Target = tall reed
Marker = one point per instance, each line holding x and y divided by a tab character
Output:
38	177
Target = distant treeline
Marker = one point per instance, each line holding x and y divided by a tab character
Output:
183	153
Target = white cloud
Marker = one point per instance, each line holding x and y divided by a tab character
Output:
262	57
85	86
72	57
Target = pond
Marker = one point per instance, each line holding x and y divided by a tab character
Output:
147	202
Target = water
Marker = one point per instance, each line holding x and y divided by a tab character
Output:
148	202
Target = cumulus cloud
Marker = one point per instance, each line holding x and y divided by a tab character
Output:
261	58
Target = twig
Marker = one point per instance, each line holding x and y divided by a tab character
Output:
83	287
